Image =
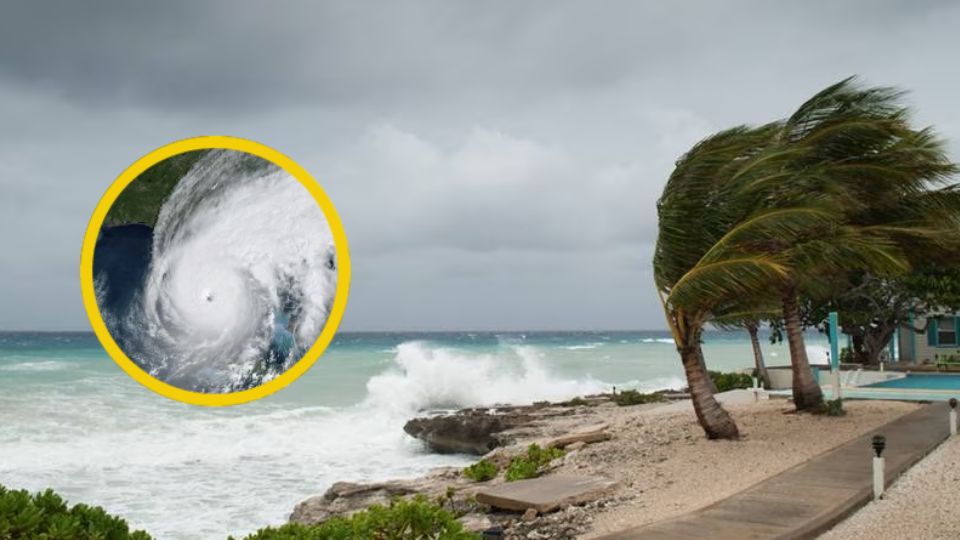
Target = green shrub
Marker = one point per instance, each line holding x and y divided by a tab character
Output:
577	401
846	355
531	464
832	407
481	471
633	397
404	519
731	381
46	516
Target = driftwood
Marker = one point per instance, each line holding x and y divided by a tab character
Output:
590	435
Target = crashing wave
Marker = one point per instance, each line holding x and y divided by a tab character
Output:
430	377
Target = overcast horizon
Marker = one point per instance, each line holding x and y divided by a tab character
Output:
495	165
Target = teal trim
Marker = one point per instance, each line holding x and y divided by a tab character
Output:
834	341
932	337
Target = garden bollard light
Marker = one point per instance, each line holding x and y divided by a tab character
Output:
879	443
953	416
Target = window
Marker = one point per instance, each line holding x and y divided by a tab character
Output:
946	331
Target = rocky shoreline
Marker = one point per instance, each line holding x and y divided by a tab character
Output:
497	435
622	454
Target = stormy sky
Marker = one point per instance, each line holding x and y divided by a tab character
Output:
496	164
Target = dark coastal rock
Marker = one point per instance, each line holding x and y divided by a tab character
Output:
469	431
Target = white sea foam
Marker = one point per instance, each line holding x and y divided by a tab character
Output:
239	245
426	377
36	365
206	474
587	346
183	472
658	340
658	383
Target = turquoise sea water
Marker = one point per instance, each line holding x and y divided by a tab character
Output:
72	420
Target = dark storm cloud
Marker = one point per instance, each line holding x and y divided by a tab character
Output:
222	55
495	164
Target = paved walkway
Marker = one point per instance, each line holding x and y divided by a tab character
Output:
810	498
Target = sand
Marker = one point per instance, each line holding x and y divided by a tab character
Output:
921	505
668	468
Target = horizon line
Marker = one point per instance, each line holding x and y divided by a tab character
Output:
414	331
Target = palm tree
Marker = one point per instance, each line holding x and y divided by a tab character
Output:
694	279
754	213
855	149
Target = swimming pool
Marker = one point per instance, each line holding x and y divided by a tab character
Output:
926	381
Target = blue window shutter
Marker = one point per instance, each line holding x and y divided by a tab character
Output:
932	333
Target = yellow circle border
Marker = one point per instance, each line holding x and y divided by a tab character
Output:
100	214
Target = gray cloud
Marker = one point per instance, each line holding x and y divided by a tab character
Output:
495	164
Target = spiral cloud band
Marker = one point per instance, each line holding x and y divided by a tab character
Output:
240	279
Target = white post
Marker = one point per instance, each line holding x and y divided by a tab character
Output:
877	477
836	385
879	442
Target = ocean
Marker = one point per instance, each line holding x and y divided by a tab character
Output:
71	420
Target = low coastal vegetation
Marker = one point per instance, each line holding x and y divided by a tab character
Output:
46	516
833	407
404	519
626	398
532	463
730	381
481	471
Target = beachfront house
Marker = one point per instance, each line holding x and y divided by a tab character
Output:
941	340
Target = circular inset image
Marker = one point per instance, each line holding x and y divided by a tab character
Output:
215	270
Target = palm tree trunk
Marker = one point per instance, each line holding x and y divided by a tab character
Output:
806	392
713	418
703	366
753	330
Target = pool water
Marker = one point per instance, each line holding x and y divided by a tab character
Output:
930	382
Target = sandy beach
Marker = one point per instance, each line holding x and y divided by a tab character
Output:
669	468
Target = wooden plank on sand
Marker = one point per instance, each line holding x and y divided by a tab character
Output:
545	494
